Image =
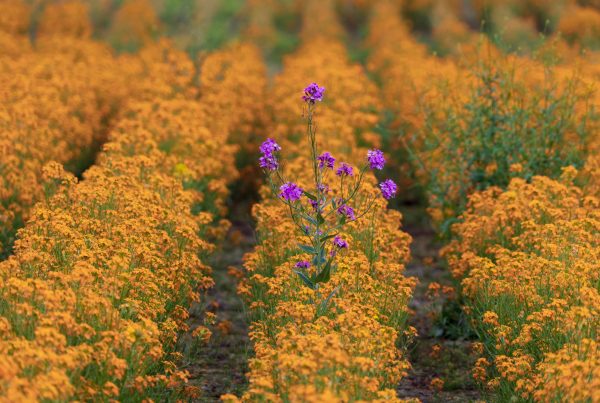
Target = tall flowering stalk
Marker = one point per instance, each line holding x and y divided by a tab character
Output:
321	212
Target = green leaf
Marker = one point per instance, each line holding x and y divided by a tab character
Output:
307	281
317	260
447	225
324	305
320	219
326	238
307	249
310	196
325	274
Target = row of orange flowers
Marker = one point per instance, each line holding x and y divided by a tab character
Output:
514	24
351	352
480	120
526	257
56	103
96	292
528	261
95	289
127	25
63	91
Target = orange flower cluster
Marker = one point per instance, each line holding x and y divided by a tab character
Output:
529	263
581	25
466	128
97	289
396	51
513	24
526	257
349	353
97	286
70	18
591	176
15	17
410	78
577	21
260	28
135	24
450	34
228	84
56	103
236	80
320	21
520	119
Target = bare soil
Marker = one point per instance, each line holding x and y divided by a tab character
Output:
220	366
440	325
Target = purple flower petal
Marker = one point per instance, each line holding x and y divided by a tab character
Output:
347	211
313	93
326	160
345	170
339	242
388	188
303	264
291	192
376	159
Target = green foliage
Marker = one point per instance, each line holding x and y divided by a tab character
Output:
506	128
287	25
419	16
176	13
222	25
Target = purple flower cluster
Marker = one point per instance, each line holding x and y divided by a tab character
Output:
268	159
339	242
303	264
268	162
313	93
347	211
345	170
290	192
376	159
269	146
388	188
326	160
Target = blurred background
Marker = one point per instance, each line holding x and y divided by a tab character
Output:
202	25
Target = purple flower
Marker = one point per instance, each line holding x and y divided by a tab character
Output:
339	242
326	160
376	159
388	188
290	191
347	211
323	188
345	170
269	146
314	204
268	161
313	93
303	264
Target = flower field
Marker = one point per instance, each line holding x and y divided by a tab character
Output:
299	201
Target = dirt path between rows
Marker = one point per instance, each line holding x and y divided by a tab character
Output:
442	349
220	366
